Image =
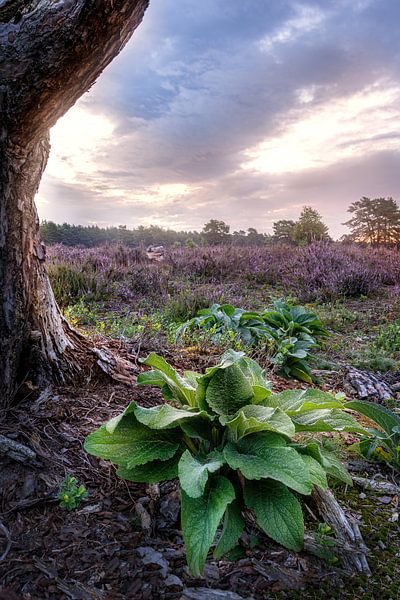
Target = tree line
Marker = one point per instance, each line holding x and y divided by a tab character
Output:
373	222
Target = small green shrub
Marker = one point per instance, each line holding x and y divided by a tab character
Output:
373	360
388	338
70	284
81	313
181	305
288	333
324	537
70	494
229	440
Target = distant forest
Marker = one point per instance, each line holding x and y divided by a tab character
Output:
374	221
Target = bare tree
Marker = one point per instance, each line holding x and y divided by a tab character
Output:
51	52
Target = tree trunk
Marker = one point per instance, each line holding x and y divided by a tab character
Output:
30	316
51	52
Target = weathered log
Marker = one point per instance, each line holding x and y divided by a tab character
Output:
353	549
368	385
15	450
377	486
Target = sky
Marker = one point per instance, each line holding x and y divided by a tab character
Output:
240	110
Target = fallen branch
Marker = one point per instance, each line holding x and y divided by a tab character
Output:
378	486
353	549
4	529
15	450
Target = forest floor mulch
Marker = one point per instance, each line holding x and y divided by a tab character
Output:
100	550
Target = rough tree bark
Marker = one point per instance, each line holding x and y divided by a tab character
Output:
51	52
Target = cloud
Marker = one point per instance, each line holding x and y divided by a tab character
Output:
239	111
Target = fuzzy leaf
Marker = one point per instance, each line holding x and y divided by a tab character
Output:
170	382
278	512
253	418
317	473
152	472
200	520
295	401
228	390
254	372
193	474
166	416
328	460
132	443
300	371
326	420
113	423
235	384
231	531
257	457
382	416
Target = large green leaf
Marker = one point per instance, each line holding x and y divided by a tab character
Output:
165	377
152	472
278	512
228	390
295	401
231	531
166	416
326	420
382	416
299	370
257	378
113	423
132	443
200	520
317	473
193	473
229	359
253	418
328	460
257	457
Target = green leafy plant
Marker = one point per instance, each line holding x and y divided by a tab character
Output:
229	440
70	494
382	445
324	537
388	338
287	332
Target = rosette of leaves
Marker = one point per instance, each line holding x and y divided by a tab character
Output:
288	332
229	441
296	331
219	318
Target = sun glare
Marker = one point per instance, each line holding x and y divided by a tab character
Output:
342	128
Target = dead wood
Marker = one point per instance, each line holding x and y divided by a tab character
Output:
119	369
5	531
15	450
354	551
367	385
377	486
